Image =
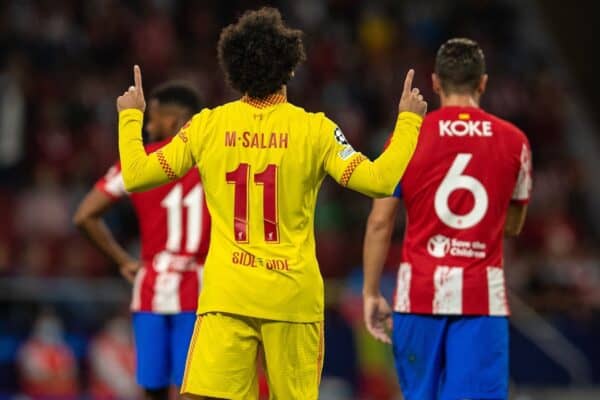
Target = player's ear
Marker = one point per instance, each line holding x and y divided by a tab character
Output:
482	84
437	85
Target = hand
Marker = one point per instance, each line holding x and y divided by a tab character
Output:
134	97
378	317
411	100
130	269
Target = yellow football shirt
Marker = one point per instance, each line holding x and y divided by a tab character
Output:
262	164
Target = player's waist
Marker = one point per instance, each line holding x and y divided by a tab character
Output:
427	275
270	257
166	261
292	293
257	274
443	289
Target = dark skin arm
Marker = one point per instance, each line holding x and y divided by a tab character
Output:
378	235
515	218
88	218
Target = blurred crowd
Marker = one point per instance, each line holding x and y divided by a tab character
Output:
63	62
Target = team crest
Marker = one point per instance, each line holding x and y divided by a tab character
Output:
183	131
339	136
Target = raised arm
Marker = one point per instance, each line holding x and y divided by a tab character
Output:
142	171
379	178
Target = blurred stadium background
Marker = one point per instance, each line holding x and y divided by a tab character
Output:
64	328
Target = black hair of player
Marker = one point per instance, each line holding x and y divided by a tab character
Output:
460	64
259	53
180	94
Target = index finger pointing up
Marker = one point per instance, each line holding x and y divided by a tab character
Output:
408	80
137	77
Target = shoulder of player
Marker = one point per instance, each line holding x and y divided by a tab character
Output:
315	120
433	117
197	124
111	183
507	126
209	115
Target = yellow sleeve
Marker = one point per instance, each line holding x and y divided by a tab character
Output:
142	171
376	178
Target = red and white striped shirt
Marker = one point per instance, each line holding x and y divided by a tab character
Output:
174	228
467	168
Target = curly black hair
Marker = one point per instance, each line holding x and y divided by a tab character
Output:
259	53
459	64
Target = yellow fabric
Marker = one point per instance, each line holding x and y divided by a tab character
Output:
222	359
264	273
145	171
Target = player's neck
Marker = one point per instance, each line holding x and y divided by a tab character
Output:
281	92
459	100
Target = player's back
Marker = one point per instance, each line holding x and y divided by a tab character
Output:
467	168
262	167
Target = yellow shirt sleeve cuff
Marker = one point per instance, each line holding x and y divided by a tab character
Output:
132	113
410	116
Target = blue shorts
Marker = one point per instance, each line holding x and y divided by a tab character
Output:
161	344
451	357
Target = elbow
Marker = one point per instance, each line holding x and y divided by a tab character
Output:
381	194
134	180
379	225
130	183
131	187
386	189
512	231
388	184
81	219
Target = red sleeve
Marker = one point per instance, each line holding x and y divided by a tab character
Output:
522	190
111	183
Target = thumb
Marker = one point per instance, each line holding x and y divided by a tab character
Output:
368	317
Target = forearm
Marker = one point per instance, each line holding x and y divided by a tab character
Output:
140	170
375	251
515	219
379	178
100	236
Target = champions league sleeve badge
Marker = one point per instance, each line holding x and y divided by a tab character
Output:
347	150
339	137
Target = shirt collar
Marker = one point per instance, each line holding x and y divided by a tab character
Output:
270	100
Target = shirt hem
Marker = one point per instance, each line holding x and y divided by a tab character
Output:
432	314
194	310
268	316
211	393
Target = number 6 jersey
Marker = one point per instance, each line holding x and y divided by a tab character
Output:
174	227
467	168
